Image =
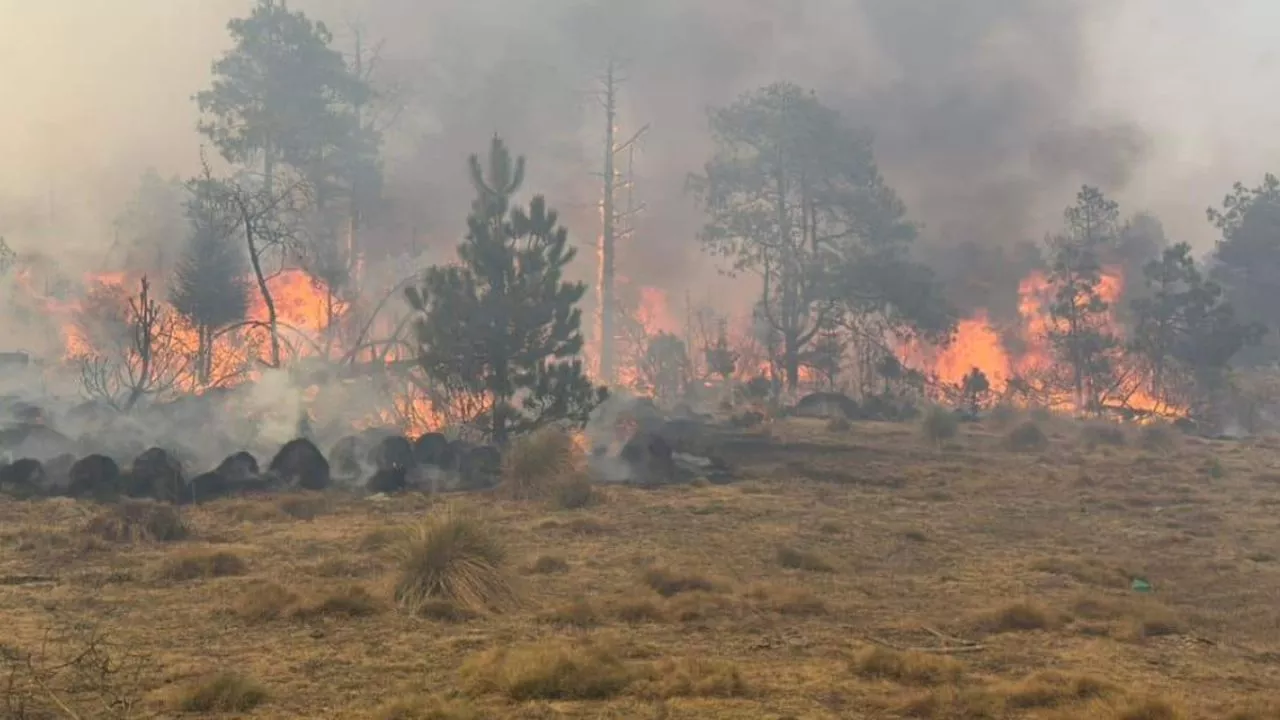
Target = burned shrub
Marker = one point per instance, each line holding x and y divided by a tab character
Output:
387	480
22	479
300	464
1026	437
392	453
209	486
57	473
344	457
157	474
650	458
480	468
826	405
433	449
239	468
94	476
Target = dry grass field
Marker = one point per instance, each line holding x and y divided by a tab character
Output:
849	572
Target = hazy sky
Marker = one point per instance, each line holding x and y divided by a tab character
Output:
95	91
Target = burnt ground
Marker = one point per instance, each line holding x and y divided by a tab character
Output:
1006	578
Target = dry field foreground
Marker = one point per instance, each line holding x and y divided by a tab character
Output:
847	574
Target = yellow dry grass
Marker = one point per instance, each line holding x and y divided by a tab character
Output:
869	574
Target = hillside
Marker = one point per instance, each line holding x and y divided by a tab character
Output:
844	574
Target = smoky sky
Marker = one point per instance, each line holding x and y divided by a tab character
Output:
986	115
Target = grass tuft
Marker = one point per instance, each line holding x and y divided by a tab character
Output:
1018	617
535	464
905	667
1026	437
550	671
667	582
226	692
135	521
793	559
455	558
198	564
693	678
939	425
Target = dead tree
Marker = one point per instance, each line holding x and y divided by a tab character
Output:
137	354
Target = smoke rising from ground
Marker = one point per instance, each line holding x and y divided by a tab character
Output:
987	114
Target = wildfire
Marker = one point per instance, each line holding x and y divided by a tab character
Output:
979	343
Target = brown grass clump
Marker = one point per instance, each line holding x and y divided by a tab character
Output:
225	692
906	668
939	425
1159	437
693	678
839	425
574	492
1088	571
1136	619
1026	437
667	582
638	610
793	559
135	521
1018	617
536	463
1053	689
1001	416
548	565
1149	709
702	606
418	708
346	601
262	602
579	613
305	506
948	702
453	558
551	671
197	564
1100	433
787	600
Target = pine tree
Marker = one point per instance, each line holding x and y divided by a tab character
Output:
1079	332
502	324
209	286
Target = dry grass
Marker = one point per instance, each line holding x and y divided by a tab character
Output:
134	521
675	605
305	506
573	492
1027	437
793	559
1103	434
907	668
195	564
939	425
667	582
455	558
226	692
549	671
535	465
1159	437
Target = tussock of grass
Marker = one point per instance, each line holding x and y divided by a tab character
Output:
1159	437
196	564
638	610
1018	617
693	678
263	602
1099	433
939	425
578	612
1053	689
574	492
445	611
379	539
702	606
535	464
455	558
948	702
787	600
548	565
1001	416
1090	572
550	671
1149	709
419	708
1134	618
1026	437
225	692
305	506
135	521
667	582
793	559
906	668
345	601
839	425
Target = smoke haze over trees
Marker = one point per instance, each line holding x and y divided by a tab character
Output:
987	116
